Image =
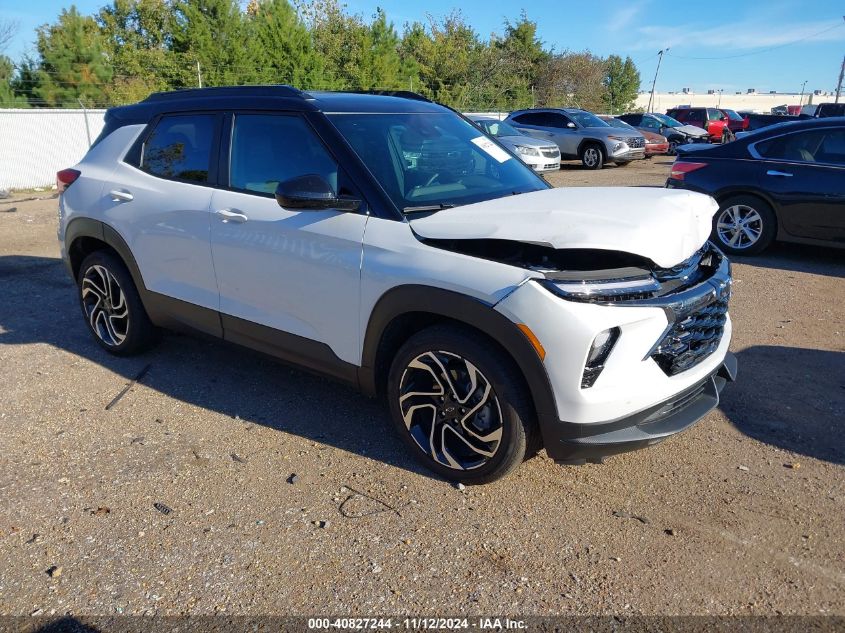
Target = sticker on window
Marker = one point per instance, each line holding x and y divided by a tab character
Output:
488	146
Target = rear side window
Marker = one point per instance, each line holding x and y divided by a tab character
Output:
179	148
270	148
532	118
813	146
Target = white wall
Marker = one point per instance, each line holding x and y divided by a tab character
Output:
762	102
36	143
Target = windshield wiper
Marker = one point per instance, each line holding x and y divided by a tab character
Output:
428	207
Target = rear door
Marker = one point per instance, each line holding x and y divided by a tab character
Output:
289	279
805	174
158	200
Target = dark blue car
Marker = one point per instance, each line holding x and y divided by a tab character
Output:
785	182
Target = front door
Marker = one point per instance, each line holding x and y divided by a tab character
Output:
289	279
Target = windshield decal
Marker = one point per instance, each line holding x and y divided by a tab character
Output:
486	145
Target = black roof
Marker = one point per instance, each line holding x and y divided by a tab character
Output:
272	97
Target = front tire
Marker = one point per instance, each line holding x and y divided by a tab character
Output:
592	156
744	225
112	307
461	407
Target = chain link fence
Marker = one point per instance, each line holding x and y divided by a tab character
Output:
36	143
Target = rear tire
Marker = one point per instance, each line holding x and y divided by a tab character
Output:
592	156
460	406
744	225
112	306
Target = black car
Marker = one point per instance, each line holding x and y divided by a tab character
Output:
675	132
784	182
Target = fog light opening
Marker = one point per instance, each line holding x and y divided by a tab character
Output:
599	351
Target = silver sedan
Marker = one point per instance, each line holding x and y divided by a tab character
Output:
541	156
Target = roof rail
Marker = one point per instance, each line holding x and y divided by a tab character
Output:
273	90
402	94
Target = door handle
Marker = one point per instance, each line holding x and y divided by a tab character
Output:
232	215
781	174
120	195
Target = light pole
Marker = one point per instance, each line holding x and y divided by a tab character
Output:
801	98
653	83
720	91
841	75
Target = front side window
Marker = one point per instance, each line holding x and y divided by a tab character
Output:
268	149
179	148
714	115
423	159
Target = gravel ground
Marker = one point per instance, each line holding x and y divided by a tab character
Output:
179	498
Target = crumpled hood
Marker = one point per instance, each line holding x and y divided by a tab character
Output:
665	225
691	130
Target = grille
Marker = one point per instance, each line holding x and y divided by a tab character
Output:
550	153
692	338
635	142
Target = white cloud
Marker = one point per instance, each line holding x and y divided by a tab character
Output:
736	36
621	17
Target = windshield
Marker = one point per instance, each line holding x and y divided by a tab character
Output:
434	159
586	119
498	128
667	120
614	122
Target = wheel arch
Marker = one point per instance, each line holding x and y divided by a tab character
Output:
724	194
83	236
404	310
592	141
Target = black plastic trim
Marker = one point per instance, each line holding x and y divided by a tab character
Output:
576	443
296	350
471	312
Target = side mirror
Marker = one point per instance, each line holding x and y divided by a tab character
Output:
312	193
570	125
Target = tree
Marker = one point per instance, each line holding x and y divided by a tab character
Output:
8	96
213	33
281	48
8	30
622	83
137	39
572	80
72	65
515	65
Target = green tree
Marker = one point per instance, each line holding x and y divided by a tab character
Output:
25	81
281	48
572	80
215	34
621	82
516	64
8	96
137	39
72	65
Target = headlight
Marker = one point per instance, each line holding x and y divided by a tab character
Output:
618	138
526	151
604	289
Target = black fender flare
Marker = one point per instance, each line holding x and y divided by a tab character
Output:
163	311
469	311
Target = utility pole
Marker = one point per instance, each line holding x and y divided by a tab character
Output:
199	75
654	83
841	73
801	98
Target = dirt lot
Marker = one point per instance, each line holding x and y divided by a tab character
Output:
176	499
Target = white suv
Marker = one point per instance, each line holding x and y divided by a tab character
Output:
383	240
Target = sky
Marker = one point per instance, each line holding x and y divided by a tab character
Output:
731	45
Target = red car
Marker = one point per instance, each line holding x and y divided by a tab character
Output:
654	143
710	119
736	122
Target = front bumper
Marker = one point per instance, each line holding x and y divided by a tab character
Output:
638	380
580	443
627	154
541	163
